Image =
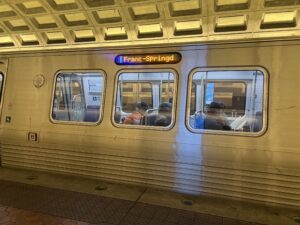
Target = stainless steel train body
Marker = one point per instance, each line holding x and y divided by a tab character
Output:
262	167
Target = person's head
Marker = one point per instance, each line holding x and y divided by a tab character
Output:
215	107
141	106
165	108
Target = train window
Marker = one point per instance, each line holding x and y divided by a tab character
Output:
78	97
145	99
227	101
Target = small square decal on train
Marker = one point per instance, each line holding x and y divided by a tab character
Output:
8	119
32	136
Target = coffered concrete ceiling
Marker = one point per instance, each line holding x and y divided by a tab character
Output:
57	24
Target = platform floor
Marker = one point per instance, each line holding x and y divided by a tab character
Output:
35	198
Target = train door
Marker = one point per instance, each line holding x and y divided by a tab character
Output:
3	71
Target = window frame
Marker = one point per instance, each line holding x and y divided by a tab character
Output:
224	132
195	102
2	73
82	123
146	70
2	85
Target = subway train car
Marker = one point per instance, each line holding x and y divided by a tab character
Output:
215	117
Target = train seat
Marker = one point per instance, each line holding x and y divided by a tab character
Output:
164	117
163	120
60	114
149	119
91	114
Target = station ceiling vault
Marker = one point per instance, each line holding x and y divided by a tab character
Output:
55	24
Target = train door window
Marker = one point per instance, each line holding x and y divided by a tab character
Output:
227	101
78	97
145	99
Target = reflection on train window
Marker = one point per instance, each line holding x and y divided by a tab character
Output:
167	90
145	99
231	94
133	92
231	101
78	97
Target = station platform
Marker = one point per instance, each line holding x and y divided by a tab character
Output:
38	198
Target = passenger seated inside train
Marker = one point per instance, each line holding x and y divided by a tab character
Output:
150	117
164	116
215	118
92	113
197	120
159	117
135	118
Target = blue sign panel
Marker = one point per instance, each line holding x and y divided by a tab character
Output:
147	59
210	93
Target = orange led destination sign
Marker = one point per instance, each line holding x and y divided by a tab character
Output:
145	59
